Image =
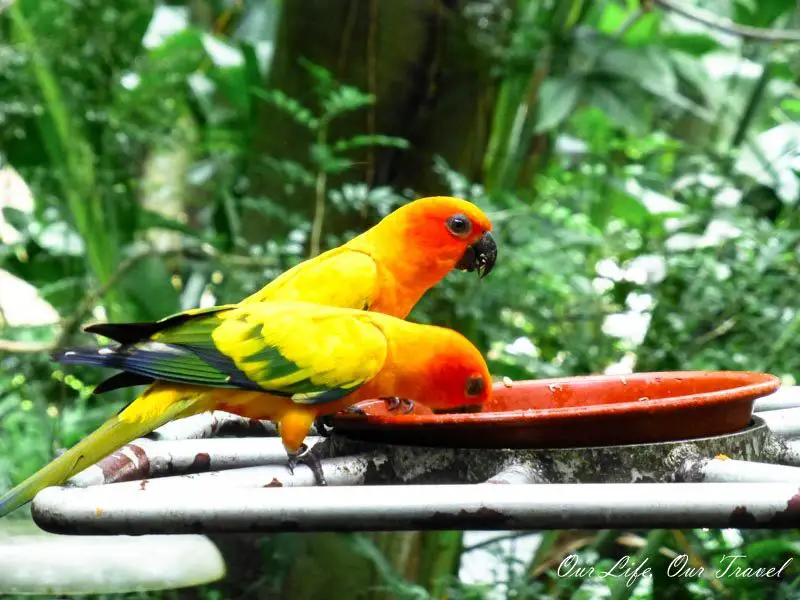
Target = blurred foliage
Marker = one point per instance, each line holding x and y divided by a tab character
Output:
641	169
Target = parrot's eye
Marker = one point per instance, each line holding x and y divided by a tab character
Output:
475	386
459	225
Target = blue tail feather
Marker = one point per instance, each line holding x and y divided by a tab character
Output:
104	356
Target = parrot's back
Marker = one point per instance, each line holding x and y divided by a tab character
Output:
341	277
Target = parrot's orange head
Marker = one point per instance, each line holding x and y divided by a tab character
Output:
457	376
453	233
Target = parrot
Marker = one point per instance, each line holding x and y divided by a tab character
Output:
386	269
389	267
286	361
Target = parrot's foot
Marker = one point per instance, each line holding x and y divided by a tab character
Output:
393	403
304	456
324	425
354	410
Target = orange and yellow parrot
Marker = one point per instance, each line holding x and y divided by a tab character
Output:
389	267
385	269
288	362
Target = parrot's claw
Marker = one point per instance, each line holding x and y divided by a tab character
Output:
393	403
354	410
291	463
309	459
324	425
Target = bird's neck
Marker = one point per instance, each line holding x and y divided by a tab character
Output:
412	351
411	264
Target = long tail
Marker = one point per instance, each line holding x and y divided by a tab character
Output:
102	356
157	405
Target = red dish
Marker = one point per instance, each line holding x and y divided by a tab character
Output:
600	410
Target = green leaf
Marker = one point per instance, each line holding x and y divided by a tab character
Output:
748	5
323	79
650	69
18	219
780	68
612	19
691	71
761	13
696	44
771	549
616	108
323	156
365	548
345	99
369	141
644	30
641	32
164	72
276	212
558	97
291	170
617	204
289	106
629	209
791	105
647	67
252	69
148	287
232	82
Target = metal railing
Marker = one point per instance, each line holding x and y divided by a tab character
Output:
184	479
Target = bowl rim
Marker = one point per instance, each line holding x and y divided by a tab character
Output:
752	385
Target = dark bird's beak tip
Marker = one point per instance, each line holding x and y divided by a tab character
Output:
480	257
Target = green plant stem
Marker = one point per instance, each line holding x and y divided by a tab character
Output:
743	31
620	589
440	555
71	157
753	103
319	192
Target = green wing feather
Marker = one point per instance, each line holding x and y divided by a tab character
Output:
311	353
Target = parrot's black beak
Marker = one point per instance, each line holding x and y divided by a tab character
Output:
481	256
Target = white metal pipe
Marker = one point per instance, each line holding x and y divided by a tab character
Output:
784	397
784	422
110	509
742	471
147	458
209	424
344	470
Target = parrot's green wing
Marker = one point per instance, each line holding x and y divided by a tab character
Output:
310	353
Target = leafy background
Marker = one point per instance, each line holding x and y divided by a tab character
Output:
641	167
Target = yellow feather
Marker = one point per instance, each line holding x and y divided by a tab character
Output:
340	277
155	400
152	409
332	348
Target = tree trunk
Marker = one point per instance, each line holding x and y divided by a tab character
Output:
432	87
